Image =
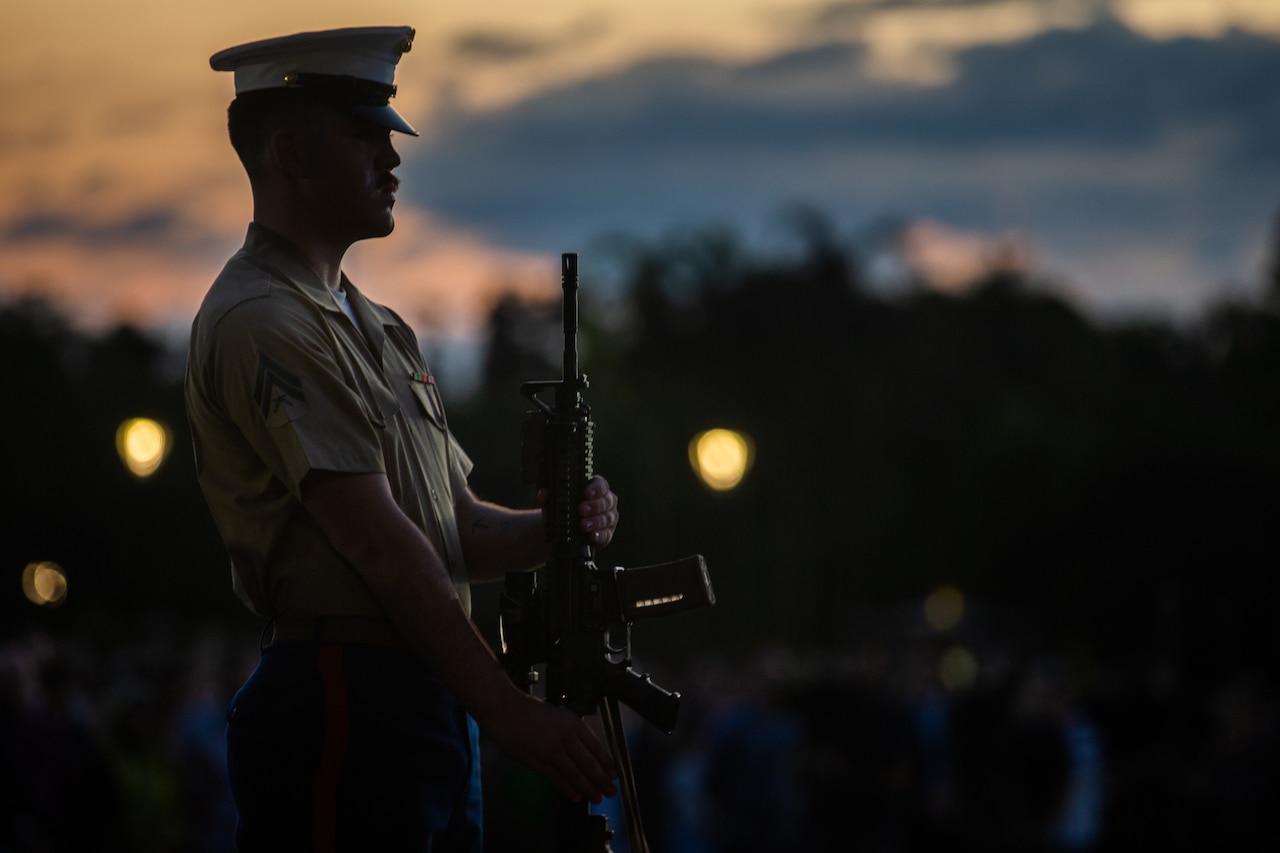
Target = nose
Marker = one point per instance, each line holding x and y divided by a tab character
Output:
389	156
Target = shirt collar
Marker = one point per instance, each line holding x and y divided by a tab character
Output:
285	259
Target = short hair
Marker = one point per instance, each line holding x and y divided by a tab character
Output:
253	117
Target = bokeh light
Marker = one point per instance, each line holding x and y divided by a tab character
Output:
721	458
143	445
944	608
44	583
958	668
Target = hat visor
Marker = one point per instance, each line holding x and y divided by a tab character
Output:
384	115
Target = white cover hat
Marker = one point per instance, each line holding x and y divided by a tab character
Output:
352	68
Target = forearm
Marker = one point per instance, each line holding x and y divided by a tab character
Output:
421	600
409	580
497	540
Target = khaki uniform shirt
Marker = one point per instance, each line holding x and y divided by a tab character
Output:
281	382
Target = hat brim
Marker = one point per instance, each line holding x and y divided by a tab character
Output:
384	115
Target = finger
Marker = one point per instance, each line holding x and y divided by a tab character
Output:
603	521
563	786
598	506
574	784
592	771
597	486
561	770
603	759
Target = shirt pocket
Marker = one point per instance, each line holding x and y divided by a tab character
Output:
429	402
379	402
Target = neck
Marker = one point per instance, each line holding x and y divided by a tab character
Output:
324	256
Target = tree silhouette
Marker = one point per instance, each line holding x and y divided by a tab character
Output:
1104	484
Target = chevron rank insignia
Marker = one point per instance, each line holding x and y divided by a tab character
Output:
277	392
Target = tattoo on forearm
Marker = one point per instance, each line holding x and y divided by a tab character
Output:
499	526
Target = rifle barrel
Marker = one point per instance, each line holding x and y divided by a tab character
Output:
569	283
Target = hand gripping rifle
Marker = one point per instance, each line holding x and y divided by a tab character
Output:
574	616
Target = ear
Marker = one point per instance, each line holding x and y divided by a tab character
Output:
290	155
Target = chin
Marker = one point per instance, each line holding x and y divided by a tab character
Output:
381	228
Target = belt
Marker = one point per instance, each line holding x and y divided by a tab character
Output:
337	629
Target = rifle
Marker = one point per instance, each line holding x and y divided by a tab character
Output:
573	616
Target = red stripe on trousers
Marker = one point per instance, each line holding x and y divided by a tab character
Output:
324	789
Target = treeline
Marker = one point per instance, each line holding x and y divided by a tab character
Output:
1112	486
133	549
1107	486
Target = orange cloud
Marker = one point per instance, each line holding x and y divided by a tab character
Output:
435	277
442	278
951	260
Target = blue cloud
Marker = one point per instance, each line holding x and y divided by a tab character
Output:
504	46
146	226
1086	131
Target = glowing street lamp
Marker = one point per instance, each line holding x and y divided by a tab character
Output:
44	583
143	445
721	458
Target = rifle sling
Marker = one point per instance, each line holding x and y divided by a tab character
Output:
611	716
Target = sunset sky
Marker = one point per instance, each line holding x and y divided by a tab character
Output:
1128	149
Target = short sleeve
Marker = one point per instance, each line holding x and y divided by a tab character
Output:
287	387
